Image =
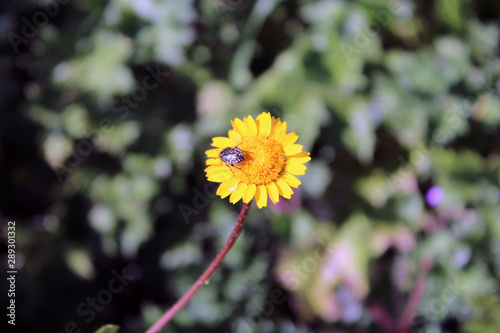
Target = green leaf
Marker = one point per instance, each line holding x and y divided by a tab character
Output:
108	329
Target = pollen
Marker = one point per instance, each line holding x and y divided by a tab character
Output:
263	162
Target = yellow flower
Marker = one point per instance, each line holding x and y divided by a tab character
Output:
263	161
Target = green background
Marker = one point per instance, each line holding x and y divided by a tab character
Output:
107	108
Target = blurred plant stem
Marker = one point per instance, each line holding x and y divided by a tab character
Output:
204	278
403	324
410	310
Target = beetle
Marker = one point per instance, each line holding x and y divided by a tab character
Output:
231	156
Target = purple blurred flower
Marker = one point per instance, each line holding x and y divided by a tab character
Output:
434	196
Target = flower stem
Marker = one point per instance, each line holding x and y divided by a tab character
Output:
203	279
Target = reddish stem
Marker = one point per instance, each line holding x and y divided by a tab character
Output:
206	274
416	294
381	317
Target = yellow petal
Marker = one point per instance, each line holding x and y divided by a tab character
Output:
251	126
213	152
290	179
273	192
280	131
293	149
238	193
284	189
216	167
227	187
239	126
274	123
264	123
219	176
275	127
212	161
295	168
249	194
301	158
261	196
222	142
289	139
235	135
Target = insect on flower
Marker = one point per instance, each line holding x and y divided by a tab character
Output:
231	156
267	156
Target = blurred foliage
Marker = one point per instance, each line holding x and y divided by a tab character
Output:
108	329
108	107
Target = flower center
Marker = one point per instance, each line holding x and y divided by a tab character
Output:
263	162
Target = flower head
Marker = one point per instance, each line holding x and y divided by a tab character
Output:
257	159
